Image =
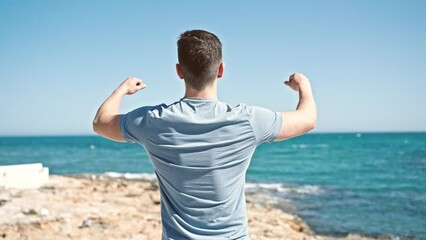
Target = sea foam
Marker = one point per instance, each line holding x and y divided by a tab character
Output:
132	176
284	188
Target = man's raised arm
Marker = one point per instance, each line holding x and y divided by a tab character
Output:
304	118
107	119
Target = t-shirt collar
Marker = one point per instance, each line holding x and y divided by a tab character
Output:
196	99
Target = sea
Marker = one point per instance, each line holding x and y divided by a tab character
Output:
338	183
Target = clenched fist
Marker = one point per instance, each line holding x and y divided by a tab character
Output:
131	85
296	80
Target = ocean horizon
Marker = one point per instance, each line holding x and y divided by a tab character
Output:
371	183
309	133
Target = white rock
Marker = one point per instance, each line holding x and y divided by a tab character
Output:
23	176
44	212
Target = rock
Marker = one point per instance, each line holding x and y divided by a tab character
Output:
296	227
30	212
268	233
133	195
93	222
86	223
153	186
23	176
44	212
48	189
299	225
79	208
3	202
37	224
155	198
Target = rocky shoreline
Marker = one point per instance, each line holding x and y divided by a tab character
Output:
104	207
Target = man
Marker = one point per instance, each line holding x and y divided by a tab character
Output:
201	147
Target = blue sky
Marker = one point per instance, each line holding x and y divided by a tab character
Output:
59	60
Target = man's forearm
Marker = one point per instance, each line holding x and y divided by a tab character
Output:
109	108
306	101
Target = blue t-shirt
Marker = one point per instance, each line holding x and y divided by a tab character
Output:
200	150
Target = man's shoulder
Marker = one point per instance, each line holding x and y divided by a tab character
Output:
241	109
248	109
145	110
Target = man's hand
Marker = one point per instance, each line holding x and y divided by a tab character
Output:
296	80
107	119
131	85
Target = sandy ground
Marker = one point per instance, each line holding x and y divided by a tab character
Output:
100	207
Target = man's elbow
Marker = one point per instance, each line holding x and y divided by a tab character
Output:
313	123
310	123
95	126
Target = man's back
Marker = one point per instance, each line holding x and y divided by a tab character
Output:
200	147
200	150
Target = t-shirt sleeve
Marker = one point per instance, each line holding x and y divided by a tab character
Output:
132	124
266	124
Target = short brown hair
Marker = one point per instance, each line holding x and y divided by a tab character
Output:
199	54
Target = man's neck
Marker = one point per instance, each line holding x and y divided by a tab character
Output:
208	92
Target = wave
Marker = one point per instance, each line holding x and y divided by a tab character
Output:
284	188
280	195
132	176
302	145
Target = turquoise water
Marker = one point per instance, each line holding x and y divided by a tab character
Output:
339	183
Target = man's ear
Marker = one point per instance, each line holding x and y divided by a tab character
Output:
179	71
221	70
